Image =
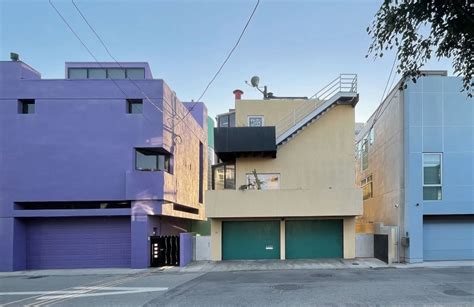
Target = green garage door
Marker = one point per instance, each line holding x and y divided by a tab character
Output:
310	239
250	240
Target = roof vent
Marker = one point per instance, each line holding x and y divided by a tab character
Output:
14	56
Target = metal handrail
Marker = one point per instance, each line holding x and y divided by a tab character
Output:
344	83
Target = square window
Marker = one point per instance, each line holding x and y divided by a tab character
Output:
26	106
255	121
135	106
432	193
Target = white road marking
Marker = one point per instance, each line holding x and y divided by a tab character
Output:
82	292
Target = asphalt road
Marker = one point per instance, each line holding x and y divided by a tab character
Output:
387	286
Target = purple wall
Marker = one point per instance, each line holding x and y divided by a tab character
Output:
185	249
78	146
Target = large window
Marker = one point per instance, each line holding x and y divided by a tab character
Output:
267	181
226	120
106	73
365	154
152	159
223	176
432	176
367	187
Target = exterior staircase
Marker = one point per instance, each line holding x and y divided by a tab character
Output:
340	91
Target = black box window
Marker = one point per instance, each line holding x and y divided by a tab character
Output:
152	159
135	106
26	106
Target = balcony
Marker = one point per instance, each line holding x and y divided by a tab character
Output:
234	142
283	203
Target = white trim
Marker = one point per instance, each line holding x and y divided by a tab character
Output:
262	117
436	185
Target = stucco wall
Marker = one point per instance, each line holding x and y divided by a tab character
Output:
274	110
385	163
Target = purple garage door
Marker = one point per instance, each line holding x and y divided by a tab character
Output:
78	242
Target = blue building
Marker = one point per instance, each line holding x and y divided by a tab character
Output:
415	163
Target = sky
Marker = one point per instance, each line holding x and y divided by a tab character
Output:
295	47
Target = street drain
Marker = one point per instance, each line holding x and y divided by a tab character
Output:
456	292
321	275
287	287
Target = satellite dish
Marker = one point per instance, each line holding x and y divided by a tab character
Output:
254	81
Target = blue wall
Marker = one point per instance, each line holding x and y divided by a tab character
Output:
438	118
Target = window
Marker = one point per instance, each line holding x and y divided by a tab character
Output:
26	106
255	121
97	73
152	159
267	181
371	136
432	176
223	176
201	172
115	73
226	120
77	73
106	73
366	185
365	154
134	106
135	73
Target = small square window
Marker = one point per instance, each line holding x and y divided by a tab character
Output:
255	121
135	106
26	106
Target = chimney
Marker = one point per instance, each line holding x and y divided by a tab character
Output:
238	94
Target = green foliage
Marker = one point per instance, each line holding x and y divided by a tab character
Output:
419	29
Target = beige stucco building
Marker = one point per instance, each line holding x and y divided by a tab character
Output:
301	151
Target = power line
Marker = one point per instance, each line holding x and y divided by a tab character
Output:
174	112
101	66
225	61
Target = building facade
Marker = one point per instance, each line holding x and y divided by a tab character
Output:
415	164
94	164
284	188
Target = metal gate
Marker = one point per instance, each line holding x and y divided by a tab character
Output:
164	250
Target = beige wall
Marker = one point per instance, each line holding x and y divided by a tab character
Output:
348	238
181	187
273	109
316	170
385	164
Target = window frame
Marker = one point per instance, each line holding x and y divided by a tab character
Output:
167	166
365	145
368	180
224	165
131	102
23	105
433	185
262	117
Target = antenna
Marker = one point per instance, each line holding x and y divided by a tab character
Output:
254	81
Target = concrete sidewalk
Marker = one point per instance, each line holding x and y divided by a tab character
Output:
270	265
435	264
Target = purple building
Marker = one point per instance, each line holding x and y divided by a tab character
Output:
93	164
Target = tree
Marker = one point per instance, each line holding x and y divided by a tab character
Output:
417	29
